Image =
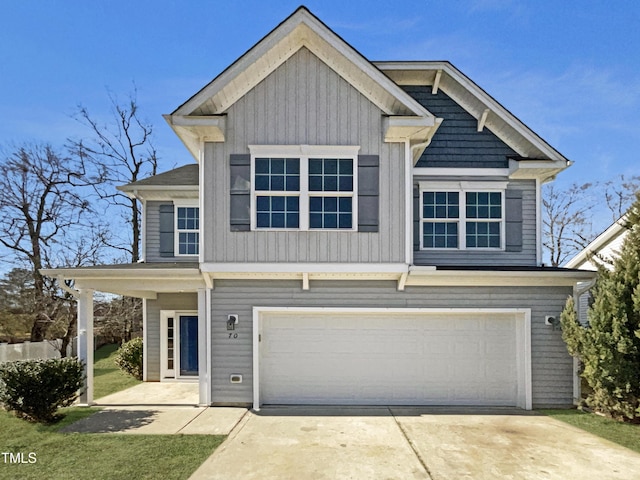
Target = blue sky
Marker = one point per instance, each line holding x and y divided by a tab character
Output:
568	69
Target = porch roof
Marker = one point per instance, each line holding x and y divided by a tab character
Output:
142	280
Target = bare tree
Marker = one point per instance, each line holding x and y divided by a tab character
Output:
42	210
620	193
566	220
123	151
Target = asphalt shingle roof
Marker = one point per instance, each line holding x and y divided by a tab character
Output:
186	175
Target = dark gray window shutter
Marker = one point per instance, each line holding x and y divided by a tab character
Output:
166	231
513	220
368	193
240	188
416	218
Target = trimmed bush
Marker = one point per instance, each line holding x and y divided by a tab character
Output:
36	389
129	357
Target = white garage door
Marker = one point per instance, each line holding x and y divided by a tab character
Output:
377	358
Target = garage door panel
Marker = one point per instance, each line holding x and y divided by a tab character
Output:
418	359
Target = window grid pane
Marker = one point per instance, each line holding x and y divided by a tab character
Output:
440	235
484	205
277	211
443	205
483	235
331	175
277	174
330	212
188	218
188	243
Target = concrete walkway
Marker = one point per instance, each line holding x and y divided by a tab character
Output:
154	393
160	420
158	408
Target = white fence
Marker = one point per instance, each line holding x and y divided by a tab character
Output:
31	350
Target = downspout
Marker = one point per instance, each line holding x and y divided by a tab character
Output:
578	291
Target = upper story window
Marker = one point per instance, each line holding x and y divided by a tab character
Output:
187	229
304	187
462	215
277	186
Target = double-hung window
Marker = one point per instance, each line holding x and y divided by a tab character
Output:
277	187
187	229
462	215
304	187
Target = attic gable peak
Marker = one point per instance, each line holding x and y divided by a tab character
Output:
301	29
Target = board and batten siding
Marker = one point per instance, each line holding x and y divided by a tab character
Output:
165	301
552	367
304	102
524	256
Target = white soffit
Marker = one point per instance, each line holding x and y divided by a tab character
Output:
476	101
302	29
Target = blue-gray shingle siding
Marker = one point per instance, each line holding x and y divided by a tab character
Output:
457	143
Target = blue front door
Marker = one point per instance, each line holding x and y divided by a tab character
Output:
188	345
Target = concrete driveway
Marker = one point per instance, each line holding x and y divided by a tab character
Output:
413	443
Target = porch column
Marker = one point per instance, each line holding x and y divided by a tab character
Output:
85	342
204	346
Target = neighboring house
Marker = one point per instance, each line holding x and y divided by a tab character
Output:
601	251
353	232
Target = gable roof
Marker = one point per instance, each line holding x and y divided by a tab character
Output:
181	182
607	243
536	157
202	116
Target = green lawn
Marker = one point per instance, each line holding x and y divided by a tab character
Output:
98	456
623	434
107	377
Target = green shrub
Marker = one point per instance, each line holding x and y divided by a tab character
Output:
36	389
129	357
609	348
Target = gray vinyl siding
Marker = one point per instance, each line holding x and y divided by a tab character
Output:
457	143
152	236
304	102
552	367
525	257
165	301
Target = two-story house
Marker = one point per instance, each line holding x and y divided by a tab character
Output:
352	232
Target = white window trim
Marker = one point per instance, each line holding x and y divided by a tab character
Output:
462	188
304	153
176	232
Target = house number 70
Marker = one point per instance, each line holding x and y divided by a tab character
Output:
233	335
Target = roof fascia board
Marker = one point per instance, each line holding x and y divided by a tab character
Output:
118	273
133	188
419	276
457	172
160	192
304	30
609	235
351	268
189	139
494	106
